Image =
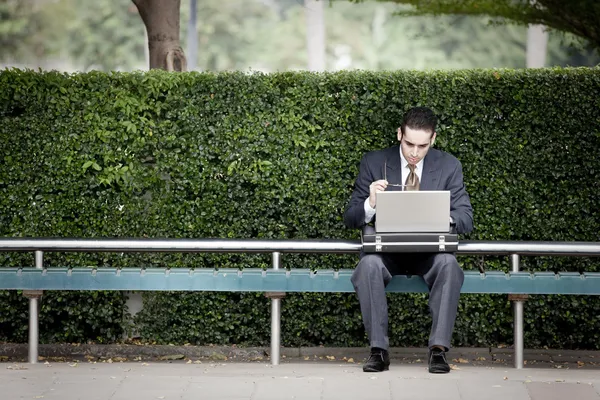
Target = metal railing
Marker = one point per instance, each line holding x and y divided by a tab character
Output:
276	248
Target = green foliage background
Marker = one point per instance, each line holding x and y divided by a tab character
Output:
234	155
270	35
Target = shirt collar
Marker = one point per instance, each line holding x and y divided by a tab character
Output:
404	163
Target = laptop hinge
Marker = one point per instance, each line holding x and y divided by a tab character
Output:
442	243
377	243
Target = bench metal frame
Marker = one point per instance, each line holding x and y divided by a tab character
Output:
276	280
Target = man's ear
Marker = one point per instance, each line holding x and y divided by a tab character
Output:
399	134
433	138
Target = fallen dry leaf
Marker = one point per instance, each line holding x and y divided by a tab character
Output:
505	378
169	357
189	362
351	360
213	356
580	363
461	360
16	367
330	358
480	359
454	367
306	358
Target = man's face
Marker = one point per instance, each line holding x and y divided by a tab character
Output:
415	143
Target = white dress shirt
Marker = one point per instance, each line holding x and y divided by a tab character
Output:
369	211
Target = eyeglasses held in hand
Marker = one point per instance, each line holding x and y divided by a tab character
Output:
404	187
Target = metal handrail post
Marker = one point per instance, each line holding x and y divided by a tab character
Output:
518	318
34	323
275	317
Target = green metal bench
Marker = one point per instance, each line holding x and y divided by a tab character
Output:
275	280
253	280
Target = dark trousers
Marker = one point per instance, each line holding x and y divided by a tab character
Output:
441	273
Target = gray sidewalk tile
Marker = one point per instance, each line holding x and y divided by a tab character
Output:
368	386
561	391
219	388
151	388
424	389
491	390
288	389
78	391
294	381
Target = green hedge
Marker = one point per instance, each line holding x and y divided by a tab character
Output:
237	155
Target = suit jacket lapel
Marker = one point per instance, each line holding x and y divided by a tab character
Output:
430	179
393	166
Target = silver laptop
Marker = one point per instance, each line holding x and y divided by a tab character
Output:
413	211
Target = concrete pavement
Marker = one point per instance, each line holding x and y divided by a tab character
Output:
299	379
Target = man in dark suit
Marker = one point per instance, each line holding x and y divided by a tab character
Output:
415	164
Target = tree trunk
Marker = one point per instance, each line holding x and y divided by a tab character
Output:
161	18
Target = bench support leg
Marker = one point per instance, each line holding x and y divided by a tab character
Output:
34	297
275	330
33	330
275	317
518	318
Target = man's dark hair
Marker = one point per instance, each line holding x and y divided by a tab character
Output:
421	118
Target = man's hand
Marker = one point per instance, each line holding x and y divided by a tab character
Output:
374	188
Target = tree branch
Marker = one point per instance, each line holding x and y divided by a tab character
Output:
581	18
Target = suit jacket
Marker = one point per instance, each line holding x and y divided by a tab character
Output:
441	171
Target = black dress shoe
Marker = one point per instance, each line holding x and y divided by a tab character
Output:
437	361
379	360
